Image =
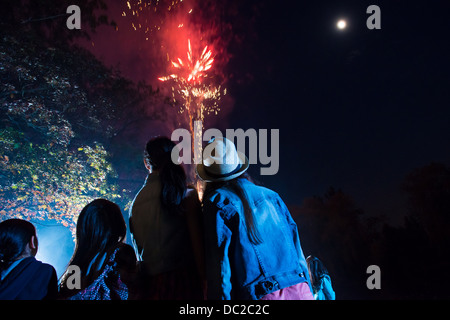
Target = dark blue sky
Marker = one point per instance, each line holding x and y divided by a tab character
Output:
357	109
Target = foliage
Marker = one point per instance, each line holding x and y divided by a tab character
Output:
42	175
47	18
61	113
49	181
428	190
331	228
412	256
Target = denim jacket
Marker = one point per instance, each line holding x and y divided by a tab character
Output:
238	269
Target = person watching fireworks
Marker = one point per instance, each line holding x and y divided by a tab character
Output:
252	244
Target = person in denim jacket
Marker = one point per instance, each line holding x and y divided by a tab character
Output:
253	249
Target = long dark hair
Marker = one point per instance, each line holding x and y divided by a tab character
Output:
317	271
100	227
158	154
15	234
249	217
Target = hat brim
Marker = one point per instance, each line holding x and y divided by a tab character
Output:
202	174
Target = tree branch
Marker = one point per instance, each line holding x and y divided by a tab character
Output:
42	19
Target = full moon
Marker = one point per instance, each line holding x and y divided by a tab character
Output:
341	24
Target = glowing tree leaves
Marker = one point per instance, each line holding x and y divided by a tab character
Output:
65	121
58	112
39	181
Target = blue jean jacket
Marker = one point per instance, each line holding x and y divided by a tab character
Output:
238	269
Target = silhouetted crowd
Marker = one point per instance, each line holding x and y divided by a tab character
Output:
240	242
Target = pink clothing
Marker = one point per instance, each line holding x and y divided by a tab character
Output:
299	291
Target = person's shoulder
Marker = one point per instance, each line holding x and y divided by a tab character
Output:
260	192
41	265
191	198
222	201
191	193
219	196
44	270
125	249
250	186
125	255
268	192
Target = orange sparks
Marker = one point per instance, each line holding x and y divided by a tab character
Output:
192	71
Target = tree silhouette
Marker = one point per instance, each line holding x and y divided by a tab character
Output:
331	229
47	18
428	190
415	256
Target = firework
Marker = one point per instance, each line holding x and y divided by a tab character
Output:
149	15
171	24
198	97
191	71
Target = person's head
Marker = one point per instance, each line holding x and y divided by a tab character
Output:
100	227
224	166
17	240
158	157
221	161
316	271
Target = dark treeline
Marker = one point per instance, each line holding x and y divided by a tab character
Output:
413	257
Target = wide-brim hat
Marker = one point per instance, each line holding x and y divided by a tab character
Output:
221	161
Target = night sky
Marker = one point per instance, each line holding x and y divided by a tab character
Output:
357	109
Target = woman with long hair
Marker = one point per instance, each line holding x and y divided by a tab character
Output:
105	263
252	244
320	279
22	276
165	225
